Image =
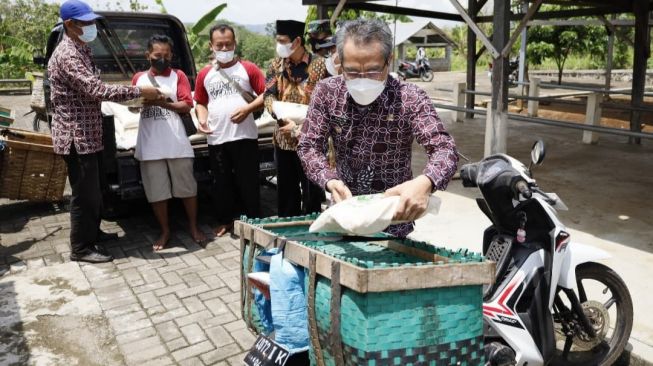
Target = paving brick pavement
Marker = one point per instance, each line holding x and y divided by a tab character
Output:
179	306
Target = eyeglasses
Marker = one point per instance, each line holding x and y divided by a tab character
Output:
376	75
81	23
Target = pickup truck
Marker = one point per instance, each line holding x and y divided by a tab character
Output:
119	52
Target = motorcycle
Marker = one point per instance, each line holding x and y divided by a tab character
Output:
551	303
513	72
420	70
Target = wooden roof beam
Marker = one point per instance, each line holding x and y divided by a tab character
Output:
570	13
388	9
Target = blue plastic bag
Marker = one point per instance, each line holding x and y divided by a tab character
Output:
264	305
289	310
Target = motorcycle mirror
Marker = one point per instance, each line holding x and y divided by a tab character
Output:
538	152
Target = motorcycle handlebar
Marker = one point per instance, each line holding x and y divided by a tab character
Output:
468	174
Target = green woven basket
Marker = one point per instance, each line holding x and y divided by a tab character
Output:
439	326
425	326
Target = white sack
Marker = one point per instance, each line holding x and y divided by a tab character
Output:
293	111
363	215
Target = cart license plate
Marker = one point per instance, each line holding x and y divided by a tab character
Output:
266	352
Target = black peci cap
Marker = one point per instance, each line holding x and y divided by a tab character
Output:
290	28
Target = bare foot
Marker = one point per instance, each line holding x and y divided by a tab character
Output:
161	242
197	236
221	230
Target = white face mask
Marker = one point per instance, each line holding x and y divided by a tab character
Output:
224	57
365	91
284	50
90	33
331	67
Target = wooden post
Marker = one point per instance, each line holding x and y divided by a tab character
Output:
458	98
641	8
534	91
592	117
522	57
471	58
608	64
322	12
496	126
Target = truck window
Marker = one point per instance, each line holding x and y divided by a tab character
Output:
122	40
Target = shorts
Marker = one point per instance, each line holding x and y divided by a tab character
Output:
167	178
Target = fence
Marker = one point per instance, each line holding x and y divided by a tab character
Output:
593	108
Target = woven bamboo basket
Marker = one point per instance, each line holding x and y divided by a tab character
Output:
29	168
394	302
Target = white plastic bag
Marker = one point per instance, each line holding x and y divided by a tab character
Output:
292	111
364	215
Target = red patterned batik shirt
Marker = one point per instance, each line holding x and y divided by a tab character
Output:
373	143
77	93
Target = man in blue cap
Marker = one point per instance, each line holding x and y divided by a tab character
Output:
77	93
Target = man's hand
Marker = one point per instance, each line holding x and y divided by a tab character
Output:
414	198
204	127
151	93
286	129
240	114
338	189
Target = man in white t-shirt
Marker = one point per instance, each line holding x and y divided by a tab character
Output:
164	151
226	117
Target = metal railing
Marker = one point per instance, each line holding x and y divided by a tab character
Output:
594	106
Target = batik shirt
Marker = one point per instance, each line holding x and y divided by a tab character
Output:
77	93
289	82
373	143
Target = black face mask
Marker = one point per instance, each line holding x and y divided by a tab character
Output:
160	64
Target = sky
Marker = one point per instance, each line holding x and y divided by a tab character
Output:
258	11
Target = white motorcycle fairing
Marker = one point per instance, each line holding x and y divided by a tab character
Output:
577	254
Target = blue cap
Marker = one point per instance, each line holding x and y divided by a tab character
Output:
78	10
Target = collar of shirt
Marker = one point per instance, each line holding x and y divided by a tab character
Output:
79	46
165	72
306	59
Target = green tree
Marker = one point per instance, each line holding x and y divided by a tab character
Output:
351	14
24	29
254	47
133	5
557	43
198	35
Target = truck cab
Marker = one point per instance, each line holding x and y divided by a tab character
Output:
119	52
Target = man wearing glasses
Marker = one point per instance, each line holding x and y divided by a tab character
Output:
373	120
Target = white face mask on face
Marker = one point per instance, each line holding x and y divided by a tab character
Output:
365	91
89	33
284	50
331	66
224	57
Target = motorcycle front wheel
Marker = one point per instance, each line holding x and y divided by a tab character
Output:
426	76
606	302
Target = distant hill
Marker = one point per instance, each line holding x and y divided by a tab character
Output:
256	28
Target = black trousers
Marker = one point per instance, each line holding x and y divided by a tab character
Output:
236	189
86	199
293	201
